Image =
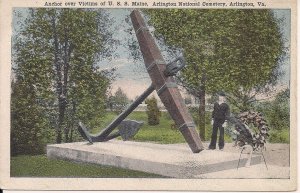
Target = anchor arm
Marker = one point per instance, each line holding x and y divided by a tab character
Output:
112	136
105	132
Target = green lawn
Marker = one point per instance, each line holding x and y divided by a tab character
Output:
162	133
41	166
282	136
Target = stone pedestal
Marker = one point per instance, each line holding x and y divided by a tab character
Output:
173	160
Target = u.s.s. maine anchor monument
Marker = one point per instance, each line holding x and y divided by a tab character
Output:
174	160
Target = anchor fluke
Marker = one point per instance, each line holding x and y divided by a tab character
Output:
129	128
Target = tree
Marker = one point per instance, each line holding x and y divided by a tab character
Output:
28	132
119	101
277	111
57	51
235	50
153	111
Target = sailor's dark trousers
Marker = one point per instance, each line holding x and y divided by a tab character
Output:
217	126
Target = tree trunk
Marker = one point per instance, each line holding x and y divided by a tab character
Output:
62	72
73	124
59	85
67	132
202	115
71	134
202	106
66	57
58	81
58	135
61	115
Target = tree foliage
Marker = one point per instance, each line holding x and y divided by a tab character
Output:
238	51
29	129
119	101
277	111
56	53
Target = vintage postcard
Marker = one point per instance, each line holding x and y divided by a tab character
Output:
148	95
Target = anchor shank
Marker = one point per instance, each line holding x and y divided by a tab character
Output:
164	83
105	132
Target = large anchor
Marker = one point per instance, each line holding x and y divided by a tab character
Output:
128	128
161	75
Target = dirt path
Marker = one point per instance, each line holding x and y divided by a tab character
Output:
275	154
278	154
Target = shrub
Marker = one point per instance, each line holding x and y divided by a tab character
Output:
153	111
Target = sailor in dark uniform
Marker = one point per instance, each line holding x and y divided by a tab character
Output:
220	115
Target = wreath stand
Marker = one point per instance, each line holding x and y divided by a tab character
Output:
248	163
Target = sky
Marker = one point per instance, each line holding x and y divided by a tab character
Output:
132	77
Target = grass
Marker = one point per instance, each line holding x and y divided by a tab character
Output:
41	166
162	133
282	136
